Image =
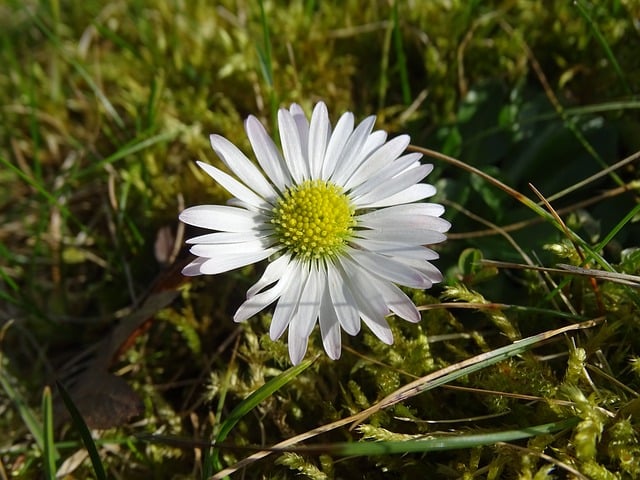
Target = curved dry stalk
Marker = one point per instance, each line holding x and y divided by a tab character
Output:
471	169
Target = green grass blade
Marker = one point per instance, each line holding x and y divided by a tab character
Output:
209	462
8	281
33	425
258	396
445	442
614	231
130	148
604	44
526	201
37	186
49	452
383	83
309	7
266	64
84	432
252	401
401	59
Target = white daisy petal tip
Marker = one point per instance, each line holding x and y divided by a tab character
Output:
193	269
297	348
305	207
214	140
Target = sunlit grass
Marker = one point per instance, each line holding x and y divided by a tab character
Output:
529	111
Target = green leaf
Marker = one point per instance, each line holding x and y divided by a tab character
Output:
472	268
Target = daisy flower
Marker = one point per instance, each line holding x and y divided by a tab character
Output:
339	214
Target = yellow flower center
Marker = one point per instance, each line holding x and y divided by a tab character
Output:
314	219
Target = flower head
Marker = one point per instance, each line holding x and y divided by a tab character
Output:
339	214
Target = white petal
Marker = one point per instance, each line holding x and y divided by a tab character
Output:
373	143
297	347
330	327
318	137
390	269
213	266
426	268
416	236
267	154
394	185
350	156
430	209
290	140
396	249
288	303
213	250
377	160
228	237
193	268
343	302
404	222
369	302
387	172
380	328
414	193
239	164
303	128
338	140
398	302
274	271
257	302
309	304
234	202
233	186
221	217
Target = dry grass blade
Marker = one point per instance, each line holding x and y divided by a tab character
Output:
621	278
466	366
